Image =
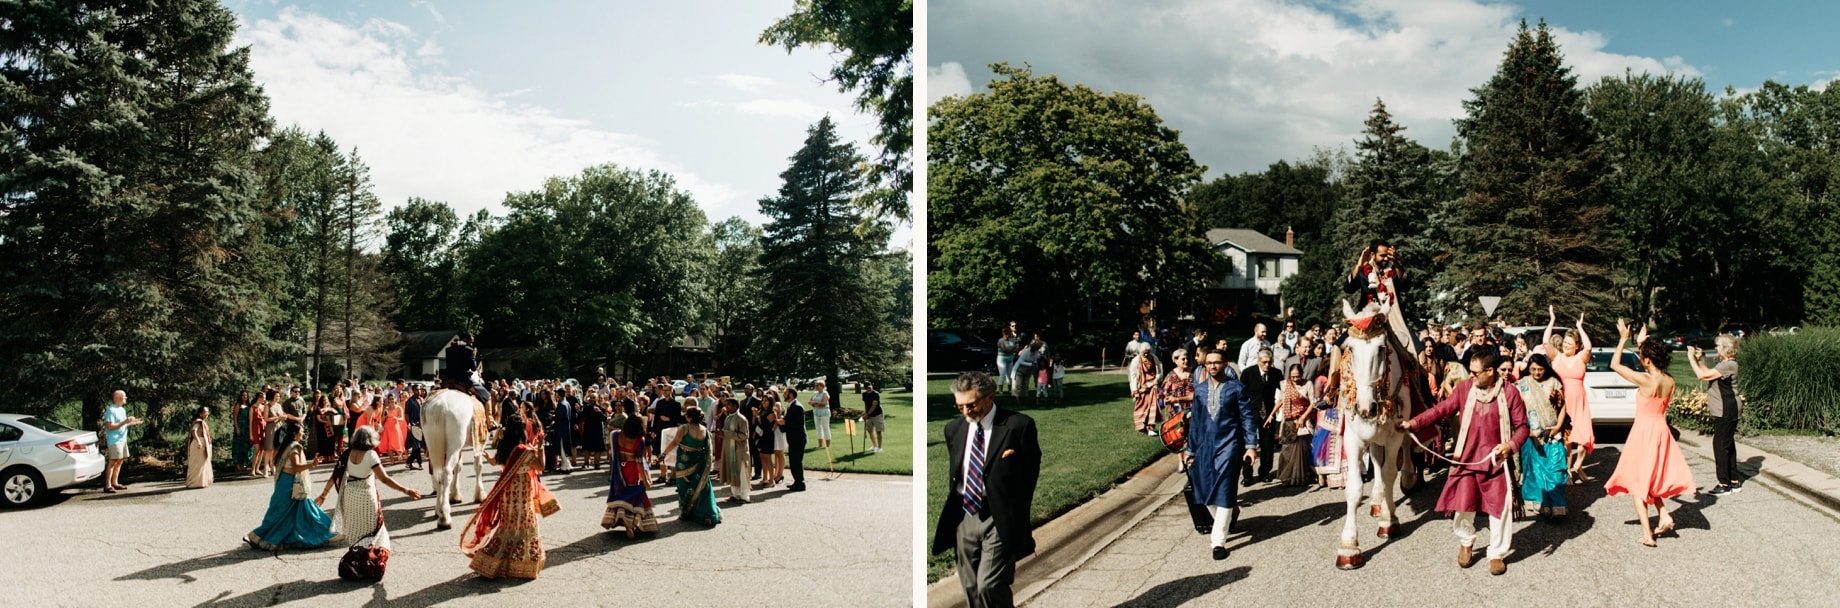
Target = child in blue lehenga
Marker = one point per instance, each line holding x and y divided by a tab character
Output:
292	523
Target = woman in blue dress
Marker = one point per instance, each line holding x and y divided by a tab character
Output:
696	492
293	521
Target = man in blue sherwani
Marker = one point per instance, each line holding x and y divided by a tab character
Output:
1222	434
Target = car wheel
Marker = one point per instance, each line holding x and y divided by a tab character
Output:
21	487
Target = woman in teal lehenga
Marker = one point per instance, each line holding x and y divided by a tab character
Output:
292	523
696	492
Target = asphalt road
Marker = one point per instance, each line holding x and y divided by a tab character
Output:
846	542
1759	547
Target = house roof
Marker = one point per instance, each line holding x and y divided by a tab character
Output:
427	344
1249	241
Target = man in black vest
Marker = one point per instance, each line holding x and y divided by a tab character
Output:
794	426
996	462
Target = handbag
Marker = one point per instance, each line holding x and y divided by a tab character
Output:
302	481
1175	433
365	561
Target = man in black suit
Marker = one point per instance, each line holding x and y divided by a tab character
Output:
1262	383
794	425
996	461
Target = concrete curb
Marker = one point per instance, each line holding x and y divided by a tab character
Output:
1067	542
1818	487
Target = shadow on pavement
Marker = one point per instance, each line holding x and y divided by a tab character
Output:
465	585
1184	590
302	589
182	570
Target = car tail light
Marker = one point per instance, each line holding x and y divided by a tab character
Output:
74	446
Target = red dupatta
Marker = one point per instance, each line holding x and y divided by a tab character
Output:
525	465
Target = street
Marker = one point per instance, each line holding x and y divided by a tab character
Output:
1757	547
846	542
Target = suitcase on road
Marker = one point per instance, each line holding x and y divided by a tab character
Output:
1204	520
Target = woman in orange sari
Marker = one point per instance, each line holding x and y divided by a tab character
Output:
502	538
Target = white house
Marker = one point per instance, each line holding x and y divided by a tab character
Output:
1256	266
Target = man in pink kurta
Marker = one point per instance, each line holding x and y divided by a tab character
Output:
1488	443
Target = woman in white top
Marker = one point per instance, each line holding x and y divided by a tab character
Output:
779	441
821	414
356	476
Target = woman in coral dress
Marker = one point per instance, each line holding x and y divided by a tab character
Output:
1568	362
1651	467
395	430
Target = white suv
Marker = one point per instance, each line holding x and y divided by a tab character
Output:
1612	399
38	456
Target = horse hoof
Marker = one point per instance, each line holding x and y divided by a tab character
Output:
1386	532
1374	510
440	526
1350	562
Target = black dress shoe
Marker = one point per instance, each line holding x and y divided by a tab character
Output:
797	487
1220	553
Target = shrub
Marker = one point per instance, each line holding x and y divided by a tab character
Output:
1688	410
1788	381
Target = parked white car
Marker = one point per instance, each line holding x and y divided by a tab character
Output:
38	457
1612	399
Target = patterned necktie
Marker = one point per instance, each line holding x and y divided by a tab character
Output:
974	482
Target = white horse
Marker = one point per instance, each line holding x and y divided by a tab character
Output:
1372	398
451	420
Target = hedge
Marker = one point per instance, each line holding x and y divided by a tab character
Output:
1791	381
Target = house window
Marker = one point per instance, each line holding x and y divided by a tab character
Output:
1268	268
1230	269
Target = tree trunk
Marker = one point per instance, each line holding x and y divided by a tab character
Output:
92	410
153	433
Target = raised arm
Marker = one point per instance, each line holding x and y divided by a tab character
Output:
1552	318
1697	358
1584	339
1616	358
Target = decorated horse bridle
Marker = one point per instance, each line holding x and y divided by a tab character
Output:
1348	388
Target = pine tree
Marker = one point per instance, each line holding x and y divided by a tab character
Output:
128	206
1531	227
821	311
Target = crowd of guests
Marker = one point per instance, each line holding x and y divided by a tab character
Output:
690	435
1531	385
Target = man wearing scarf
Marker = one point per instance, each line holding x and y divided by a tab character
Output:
1493	423
1223	435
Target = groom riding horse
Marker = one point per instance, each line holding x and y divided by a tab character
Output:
463	368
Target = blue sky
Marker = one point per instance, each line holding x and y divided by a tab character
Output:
1252	82
466	101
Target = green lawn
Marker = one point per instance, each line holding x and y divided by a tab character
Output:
1087	447
897	457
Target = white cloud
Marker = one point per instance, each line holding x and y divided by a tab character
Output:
438	17
427	134
1251	82
782	108
429	49
946	81
744	82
